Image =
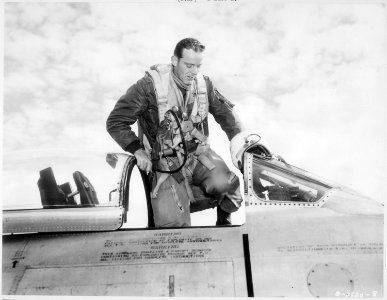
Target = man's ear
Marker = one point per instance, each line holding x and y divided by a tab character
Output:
174	60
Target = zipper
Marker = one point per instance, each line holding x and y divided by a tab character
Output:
174	193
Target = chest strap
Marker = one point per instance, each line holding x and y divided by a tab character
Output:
160	74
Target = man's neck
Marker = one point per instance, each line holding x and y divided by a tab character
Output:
181	85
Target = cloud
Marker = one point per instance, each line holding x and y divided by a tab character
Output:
309	77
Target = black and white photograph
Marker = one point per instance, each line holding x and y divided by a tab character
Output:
198	148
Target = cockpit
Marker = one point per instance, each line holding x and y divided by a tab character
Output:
107	191
61	180
70	191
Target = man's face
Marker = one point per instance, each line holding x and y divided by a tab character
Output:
187	67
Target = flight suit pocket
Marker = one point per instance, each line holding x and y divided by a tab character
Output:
171	205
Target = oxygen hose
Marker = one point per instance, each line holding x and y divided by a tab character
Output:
182	141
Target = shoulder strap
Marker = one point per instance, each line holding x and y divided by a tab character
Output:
200	106
160	77
157	73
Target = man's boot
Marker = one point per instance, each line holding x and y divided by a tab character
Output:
223	218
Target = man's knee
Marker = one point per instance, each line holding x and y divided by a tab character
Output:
220	183
230	202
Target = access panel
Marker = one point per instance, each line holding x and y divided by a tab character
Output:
173	262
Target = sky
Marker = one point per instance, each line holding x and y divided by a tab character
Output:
309	77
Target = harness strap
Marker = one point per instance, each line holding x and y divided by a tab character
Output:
160	76
202	97
168	94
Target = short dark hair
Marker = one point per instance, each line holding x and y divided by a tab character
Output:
188	43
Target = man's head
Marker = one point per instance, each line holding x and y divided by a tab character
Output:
187	59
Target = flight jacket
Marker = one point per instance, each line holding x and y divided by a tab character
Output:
140	104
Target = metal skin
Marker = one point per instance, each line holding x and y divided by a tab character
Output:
62	220
331	249
285	249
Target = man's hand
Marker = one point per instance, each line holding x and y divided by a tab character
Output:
143	161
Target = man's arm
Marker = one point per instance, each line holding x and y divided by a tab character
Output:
223	112
125	113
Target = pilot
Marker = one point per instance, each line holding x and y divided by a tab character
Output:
162	146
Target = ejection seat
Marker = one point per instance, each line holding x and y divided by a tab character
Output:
86	190
61	196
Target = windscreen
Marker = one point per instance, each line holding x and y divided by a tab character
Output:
279	182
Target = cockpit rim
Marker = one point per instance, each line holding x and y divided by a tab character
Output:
253	199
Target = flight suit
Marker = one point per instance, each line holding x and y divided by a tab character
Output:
140	104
